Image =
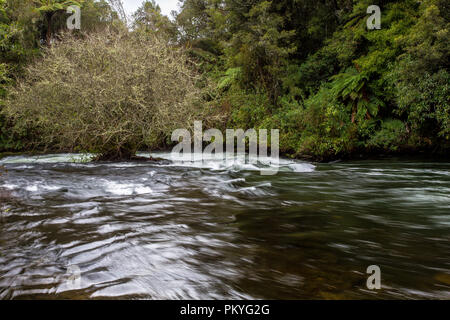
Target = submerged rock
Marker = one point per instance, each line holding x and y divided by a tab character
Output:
5	195
128	158
443	278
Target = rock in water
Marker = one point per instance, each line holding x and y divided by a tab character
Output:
4	195
443	278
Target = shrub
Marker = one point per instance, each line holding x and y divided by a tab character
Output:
390	137
107	93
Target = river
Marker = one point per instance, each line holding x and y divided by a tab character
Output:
72	229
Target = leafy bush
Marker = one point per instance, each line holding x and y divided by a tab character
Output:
391	135
421	76
107	93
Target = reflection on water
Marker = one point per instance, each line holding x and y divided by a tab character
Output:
221	230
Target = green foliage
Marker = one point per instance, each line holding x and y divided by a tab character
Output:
427	104
390	137
55	5
148	19
421	77
16	48
313	70
231	75
309	68
48	9
19	36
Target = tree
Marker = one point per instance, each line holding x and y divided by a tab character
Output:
21	30
97	15
49	8
195	20
149	19
109	93
117	6
261	37
421	75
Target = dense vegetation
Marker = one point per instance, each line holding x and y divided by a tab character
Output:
110	94
24	35
309	68
312	69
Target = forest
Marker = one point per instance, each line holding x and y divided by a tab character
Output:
311	69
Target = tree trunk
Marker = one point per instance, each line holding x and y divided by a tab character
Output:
48	36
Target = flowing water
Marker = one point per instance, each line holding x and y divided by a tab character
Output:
220	230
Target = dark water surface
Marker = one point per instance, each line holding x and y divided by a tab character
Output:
158	231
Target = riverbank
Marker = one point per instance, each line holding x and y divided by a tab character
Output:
408	153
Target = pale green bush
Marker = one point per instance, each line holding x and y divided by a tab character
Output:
108	93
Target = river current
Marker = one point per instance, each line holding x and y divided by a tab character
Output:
72	229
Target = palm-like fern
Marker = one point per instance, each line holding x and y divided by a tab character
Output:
352	87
